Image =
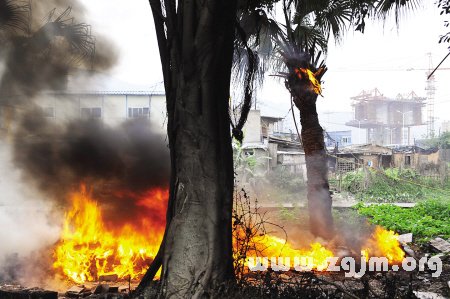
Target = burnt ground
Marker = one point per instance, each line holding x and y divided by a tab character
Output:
289	284
269	285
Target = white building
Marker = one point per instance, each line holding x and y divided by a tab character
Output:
107	99
113	107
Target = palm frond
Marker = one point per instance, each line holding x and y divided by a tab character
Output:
304	8
77	35
15	16
308	37
334	18
384	8
259	32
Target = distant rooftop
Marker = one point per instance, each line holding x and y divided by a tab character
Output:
272	118
109	92
83	82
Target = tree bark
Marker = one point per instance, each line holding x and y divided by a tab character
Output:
319	198
196	62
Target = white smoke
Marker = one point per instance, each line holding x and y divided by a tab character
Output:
26	224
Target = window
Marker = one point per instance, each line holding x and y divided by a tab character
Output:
249	152
407	160
48	112
138	112
345	164
346	140
95	112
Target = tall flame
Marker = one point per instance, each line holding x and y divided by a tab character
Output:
87	249
384	243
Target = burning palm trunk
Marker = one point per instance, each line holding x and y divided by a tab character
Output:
303	82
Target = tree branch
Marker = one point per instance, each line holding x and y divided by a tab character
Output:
159	21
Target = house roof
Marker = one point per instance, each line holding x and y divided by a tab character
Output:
290	153
271	118
366	149
285	142
254	145
84	82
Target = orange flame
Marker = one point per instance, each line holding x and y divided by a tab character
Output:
384	243
312	78
271	246
87	249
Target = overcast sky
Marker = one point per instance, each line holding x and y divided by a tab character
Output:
386	57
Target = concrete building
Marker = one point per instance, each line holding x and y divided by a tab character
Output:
338	138
264	138
358	156
112	107
107	99
387	120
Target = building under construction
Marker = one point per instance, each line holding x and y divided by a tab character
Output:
387	120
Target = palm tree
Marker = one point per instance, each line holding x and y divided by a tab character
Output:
297	51
46	53
308	27
39	58
13	17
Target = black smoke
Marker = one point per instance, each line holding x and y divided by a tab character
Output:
118	164
42	44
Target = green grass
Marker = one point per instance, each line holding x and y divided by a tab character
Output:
428	219
393	185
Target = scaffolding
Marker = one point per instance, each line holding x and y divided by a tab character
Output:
387	120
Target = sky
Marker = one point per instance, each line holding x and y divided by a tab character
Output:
390	58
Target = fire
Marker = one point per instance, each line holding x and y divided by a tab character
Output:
312	78
272	246
384	243
88	249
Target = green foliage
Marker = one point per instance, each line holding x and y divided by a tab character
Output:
287	213
392	185
243	163
428	219
353	181
285	180
442	141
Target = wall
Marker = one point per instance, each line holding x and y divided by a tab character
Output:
252	128
417	160
114	108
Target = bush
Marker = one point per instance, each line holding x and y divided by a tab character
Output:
285	180
428	219
392	185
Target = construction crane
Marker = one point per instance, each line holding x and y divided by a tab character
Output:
431	90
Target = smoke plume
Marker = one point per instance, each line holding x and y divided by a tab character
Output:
42	44
118	163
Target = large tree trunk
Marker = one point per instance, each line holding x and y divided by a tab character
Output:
196	58
319	198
